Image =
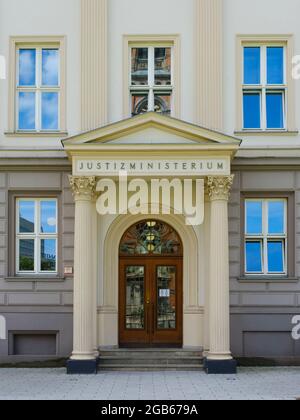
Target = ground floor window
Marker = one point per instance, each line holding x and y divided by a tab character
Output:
266	236
36	236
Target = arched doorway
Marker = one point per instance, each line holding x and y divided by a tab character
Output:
150	289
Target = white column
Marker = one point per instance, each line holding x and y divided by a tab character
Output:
219	306
84	272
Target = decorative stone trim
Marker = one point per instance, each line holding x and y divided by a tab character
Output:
93	64
219	187
209	44
83	187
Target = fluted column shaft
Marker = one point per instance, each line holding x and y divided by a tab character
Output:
84	272
219	188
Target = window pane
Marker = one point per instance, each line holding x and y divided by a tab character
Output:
48	217
50	66
48	255
276	217
26	255
50	111
254	217
163	66
26	111
254	257
27	67
252	65
166	297
139	103
251	110
135	286
26	216
275	257
139	66
275	63
275	110
162	103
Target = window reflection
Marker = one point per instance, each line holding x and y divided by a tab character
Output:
26	255
48	255
139	66
162	66
26	216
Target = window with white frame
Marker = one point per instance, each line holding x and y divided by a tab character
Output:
38	88
151	79
266	236
264	87
36	236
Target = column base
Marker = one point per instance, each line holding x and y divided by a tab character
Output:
82	367
220	367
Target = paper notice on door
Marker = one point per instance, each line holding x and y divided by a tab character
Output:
164	293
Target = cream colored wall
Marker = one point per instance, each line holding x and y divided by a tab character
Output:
42	18
141	17
267	17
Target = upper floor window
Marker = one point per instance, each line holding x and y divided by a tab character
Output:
266	236
151	80
38	89
264	87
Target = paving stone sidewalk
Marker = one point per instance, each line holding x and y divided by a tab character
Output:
54	384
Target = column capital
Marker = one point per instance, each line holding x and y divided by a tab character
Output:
219	187
83	187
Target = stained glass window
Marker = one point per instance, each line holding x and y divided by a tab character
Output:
151	238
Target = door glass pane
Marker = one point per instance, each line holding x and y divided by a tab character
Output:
26	216
166	298
251	110
27	67
48	255
48	217
275	110
253	217
275	64
254	257
275	257
50	111
139	66
26	111
50	66
162	66
26	255
276	217
135	283
252	65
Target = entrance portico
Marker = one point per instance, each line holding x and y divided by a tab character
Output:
151	146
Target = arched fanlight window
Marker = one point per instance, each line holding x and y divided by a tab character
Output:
151	237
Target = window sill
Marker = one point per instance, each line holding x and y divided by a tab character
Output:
36	134
31	279
268	279
266	133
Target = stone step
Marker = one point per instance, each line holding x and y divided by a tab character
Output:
150	368
150	359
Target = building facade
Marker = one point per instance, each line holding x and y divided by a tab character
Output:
203	93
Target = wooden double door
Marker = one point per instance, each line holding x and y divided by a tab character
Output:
150	302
